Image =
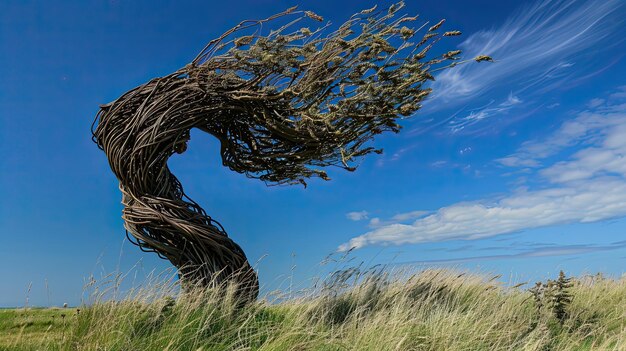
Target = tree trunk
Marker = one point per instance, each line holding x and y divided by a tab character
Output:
197	245
139	132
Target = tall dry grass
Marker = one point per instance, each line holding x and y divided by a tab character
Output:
429	310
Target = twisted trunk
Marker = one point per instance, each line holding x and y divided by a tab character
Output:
139	132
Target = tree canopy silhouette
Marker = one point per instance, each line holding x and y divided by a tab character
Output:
283	104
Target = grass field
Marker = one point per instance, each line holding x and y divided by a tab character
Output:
432	310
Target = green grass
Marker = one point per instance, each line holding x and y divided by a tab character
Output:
432	310
29	329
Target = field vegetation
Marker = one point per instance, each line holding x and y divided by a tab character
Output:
429	310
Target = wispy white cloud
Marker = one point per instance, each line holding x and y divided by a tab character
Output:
543	251
608	158
588	127
595	102
376	222
620	93
589	186
477	115
407	216
357	215
587	202
553	105
539	43
537	49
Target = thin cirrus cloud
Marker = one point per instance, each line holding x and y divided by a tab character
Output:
536	50
477	115
357	215
587	128
564	250
589	186
400	217
542	42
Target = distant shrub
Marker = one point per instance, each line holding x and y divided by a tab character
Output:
554	296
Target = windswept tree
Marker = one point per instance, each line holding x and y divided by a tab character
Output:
283	104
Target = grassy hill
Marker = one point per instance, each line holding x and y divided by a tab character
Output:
431	310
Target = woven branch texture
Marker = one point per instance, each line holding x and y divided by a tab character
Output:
283	103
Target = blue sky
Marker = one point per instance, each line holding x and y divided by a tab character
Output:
515	167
